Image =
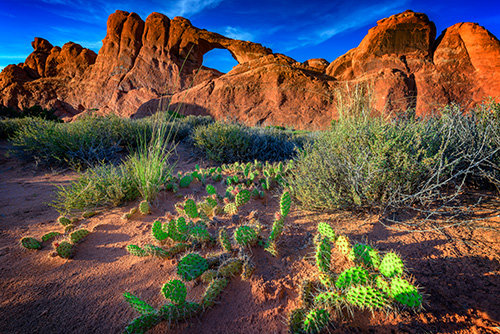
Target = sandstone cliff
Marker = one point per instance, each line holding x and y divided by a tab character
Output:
140	62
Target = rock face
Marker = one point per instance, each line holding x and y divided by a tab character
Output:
140	64
409	68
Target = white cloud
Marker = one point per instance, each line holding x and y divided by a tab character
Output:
236	33
190	7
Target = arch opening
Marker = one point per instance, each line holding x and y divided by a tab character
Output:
220	60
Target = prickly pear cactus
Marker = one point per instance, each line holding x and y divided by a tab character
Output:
285	203
277	228
391	265
316	320
179	248
296	320
213	291
30	243
190	208
64	221
306	290
144	208
211	201
242	197
139	305
156	251
224	240
366	255
88	214
211	190
343	244
185	181
50	235
77	236
383	285
352	276
158	232
248	267
173	233
328	299
174	291
199	233
176	312
326	230
405	293
143	323
231	208
323	255
191	266
245	236
64	249
181	225
209	275
230	267
136	251
367	297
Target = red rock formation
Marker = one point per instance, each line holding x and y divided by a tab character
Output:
140	62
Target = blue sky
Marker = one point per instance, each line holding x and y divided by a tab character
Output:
300	29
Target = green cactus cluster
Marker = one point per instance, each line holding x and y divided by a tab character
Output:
224	240
185	181
242	197
371	282
157	231
231	208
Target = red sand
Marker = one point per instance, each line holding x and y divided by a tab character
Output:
458	270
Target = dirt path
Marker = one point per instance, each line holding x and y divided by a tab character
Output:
44	294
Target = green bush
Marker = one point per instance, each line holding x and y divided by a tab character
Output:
231	142
102	185
371	161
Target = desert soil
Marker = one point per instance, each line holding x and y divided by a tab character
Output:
458	270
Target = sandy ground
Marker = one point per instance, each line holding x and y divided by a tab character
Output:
458	270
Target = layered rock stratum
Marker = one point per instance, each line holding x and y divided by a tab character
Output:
143	66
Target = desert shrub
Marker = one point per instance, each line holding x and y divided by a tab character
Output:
83	142
222	142
34	111
230	142
371	161
101	185
9	126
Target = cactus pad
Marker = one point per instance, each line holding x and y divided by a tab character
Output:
185	181
136	251
352	276
230	267
50	235
176	313
326	230
209	275
64	221
156	251
383	285
158	232
224	240
327	299
144	208
242	197
367	297
213	291
77	236
143	323
316	320
245	236
391	265
366	255
191	266
211	190
285	203
306	289
231	208
65	250
323	256
30	243
181	225
88	214
190	208
174	291
405	293
248	268
343	245
139	305
277	229
199	233
296	320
